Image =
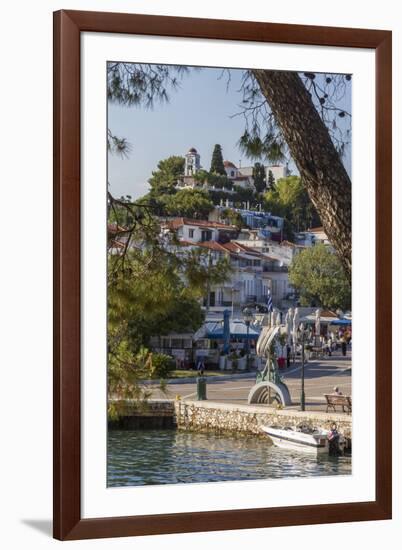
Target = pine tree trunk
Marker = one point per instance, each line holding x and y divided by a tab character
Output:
316	158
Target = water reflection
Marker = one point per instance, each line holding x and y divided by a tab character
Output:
155	457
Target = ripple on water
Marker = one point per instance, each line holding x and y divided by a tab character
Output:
156	457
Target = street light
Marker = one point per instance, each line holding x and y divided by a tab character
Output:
248	318
302	394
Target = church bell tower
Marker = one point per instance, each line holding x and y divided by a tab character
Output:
192	163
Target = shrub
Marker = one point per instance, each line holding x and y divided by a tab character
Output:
161	365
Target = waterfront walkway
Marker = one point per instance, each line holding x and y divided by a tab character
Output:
320	378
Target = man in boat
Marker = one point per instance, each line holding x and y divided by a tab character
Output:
334	448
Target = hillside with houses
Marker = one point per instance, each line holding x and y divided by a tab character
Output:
236	253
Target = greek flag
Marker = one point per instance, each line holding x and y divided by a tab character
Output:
269	302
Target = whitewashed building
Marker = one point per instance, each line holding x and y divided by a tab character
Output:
315	235
198	231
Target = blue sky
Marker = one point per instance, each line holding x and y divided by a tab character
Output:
199	114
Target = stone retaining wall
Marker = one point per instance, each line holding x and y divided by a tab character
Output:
222	417
227	417
155	414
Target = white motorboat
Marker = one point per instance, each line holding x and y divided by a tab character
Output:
301	438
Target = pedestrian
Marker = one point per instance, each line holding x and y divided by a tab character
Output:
344	346
200	367
337	391
329	346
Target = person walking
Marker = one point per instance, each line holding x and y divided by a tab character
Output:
343	345
200	367
329	346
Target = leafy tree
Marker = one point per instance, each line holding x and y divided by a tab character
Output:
259	177
318	275
191	203
146	297
160	365
217	166
233	217
202	272
164	180
289	199
217	196
271	181
151	292
242	195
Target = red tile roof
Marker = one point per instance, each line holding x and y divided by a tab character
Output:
292	245
244	248
229	247
316	230
179	222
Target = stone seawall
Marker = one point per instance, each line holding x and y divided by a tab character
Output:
155	414
222	417
247	419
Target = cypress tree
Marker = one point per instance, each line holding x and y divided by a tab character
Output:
217	166
259	177
271	180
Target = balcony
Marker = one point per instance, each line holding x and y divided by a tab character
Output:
275	269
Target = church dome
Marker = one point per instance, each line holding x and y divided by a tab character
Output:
193	150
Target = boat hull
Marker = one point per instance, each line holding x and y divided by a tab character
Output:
298	441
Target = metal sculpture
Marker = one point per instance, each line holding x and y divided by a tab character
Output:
269	386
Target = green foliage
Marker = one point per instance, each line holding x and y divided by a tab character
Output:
216	196
151	292
259	177
160	365
233	217
243	194
142	84
220	181
201	271
164	179
317	274
146	297
190	203
217	166
289	199
271	181
257	145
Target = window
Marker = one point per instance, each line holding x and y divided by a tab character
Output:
191	233
206	235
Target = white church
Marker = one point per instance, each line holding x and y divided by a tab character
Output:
239	176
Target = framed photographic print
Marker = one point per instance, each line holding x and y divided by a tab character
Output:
222	306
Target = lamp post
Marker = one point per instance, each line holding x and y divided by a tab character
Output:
302	394
248	317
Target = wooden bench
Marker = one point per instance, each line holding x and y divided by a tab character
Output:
344	401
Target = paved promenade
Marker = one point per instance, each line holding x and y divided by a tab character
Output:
320	377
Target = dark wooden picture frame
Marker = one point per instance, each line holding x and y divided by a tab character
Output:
68	26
